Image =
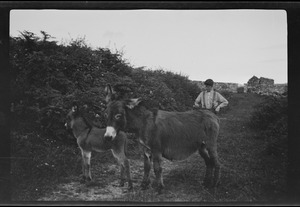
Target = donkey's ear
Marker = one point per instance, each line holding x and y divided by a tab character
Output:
74	108
110	93
85	106
131	103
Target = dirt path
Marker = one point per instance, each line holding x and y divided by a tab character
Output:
178	176
182	179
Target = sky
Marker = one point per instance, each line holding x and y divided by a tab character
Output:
224	45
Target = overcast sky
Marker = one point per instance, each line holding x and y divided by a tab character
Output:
225	45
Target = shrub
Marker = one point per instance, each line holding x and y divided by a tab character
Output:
37	160
271	118
227	94
271	115
240	89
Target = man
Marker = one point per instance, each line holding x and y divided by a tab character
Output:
210	99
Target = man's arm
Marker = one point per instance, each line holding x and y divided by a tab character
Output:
198	100
222	100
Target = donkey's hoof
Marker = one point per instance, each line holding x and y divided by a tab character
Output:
122	183
145	185
82	179
159	189
90	183
130	187
207	184
215	184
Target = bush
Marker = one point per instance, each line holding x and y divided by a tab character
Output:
271	115
271	119
37	160
53	76
240	89
227	94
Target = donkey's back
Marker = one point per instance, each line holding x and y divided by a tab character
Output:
182	133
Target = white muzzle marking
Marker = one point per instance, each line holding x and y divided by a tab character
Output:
110	132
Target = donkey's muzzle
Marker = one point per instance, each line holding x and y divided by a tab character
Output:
110	133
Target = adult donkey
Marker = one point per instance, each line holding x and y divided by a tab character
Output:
172	135
91	138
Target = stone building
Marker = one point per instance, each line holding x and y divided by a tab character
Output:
265	86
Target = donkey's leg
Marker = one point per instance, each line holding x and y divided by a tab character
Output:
127	170
82	179
211	145
124	166
216	165
122	169
209	165
119	157
147	168
86	155
157	159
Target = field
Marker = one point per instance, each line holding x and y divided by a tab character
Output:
251	173
45	160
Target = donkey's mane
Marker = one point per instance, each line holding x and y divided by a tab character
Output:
86	120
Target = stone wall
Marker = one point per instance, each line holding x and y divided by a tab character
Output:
264	86
280	88
232	87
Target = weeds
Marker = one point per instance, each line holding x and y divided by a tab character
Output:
271	118
271	115
38	161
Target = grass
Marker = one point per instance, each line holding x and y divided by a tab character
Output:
243	153
38	164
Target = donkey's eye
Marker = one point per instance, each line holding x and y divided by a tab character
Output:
118	116
105	115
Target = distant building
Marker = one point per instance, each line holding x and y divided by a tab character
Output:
264	86
254	85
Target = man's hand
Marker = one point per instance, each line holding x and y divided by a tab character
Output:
217	110
195	106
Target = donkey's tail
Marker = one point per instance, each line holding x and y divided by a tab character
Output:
126	146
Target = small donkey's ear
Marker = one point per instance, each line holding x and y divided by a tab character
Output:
110	93
133	103
74	107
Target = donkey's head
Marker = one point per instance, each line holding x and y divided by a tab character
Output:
116	112
73	114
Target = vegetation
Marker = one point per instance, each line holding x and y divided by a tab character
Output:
271	118
47	78
240	89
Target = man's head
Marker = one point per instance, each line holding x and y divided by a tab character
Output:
209	84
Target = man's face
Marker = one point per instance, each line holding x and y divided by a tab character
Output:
208	88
